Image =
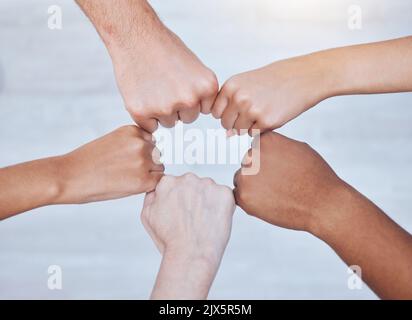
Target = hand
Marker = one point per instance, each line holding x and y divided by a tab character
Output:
122	163
190	220
161	80
294	188
269	97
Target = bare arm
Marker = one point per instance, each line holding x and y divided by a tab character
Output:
271	96
29	185
189	220
361	234
116	165
160	79
381	67
296	189
121	23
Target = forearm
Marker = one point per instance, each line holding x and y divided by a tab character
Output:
381	67
29	185
183	278
120	23
361	234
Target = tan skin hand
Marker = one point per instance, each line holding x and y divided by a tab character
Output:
268	97
190	221
271	96
119	164
296	189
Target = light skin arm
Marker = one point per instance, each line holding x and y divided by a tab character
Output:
160	79
189	220
116	165
271	96
296	189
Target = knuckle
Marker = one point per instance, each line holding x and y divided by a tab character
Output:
167	110
231	85
165	181
242	98
128	129
189	176
208	181
255	112
227	192
189	101
210	84
137	109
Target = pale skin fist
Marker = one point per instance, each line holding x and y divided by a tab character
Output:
119	164
267	98
293	188
161	80
189	216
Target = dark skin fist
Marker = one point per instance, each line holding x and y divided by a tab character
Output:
293	188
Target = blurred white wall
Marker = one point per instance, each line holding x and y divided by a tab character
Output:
57	92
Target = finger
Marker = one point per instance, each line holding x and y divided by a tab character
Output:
243	123
149	125
236	177
168	121
247	159
189	115
220	105
147	136
156	155
255	129
157	168
207	104
229	116
236	195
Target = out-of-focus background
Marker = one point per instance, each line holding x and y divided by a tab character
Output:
57	92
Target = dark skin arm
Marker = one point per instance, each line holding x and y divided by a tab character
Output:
296	189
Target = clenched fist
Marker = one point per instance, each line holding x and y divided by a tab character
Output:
122	163
267	98
294	187
190	221
161	80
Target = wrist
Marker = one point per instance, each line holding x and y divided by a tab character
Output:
63	179
197	258
184	276
335	71
336	213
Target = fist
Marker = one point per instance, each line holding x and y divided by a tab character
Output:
122	163
189	216
161	80
294	188
267	98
